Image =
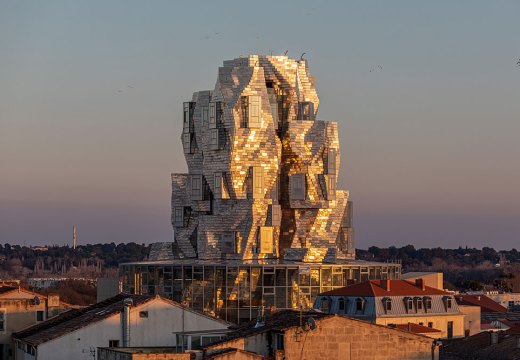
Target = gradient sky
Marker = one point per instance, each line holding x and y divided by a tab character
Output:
91	95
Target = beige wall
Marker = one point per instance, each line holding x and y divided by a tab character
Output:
347	339
471	318
343	338
440	322
434	279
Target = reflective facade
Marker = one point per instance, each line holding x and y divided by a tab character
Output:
236	291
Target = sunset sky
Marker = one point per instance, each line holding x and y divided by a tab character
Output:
91	99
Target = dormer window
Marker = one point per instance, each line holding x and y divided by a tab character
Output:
447	302
408	304
427	303
387	304
418	303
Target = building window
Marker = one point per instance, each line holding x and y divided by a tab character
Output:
427	302
359	304
418	303
217	185
188	117
325	305
205	115
276	215
331	162
39	315
258	182
143	314
447	302
341	305
113	343
196	187
266	240
3	320
228	243
306	110
186	143
252	110
178	216
297	186
331	187
387	302
430	325
450	329
213	139
408	304
280	342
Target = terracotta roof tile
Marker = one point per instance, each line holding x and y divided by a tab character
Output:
374	288
485	303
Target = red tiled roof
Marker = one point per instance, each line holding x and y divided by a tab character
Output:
374	288
416	328
514	330
485	303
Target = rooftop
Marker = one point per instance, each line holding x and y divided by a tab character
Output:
376	288
77	318
486	304
479	346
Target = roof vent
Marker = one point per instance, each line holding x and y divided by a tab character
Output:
260	319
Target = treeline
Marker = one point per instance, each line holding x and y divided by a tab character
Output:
463	268
92	259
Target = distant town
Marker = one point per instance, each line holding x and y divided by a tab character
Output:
263	263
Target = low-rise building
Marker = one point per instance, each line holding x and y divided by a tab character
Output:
142	353
21	308
310	335
493	345
395	302
124	320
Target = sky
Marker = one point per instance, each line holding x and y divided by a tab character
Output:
427	96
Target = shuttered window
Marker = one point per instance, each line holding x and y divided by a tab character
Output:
266	240
254	111
258	182
204	115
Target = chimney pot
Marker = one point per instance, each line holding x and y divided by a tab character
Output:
420	284
385	284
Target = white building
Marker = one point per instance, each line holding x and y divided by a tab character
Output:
123	320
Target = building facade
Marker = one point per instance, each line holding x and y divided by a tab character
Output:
292	335
21	308
258	219
121	321
397	302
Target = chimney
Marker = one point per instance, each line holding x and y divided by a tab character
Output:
127	304
493	337
260	318
478	298
420	284
385	284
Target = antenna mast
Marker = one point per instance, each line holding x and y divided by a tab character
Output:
74	237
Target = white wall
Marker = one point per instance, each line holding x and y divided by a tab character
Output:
164	318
